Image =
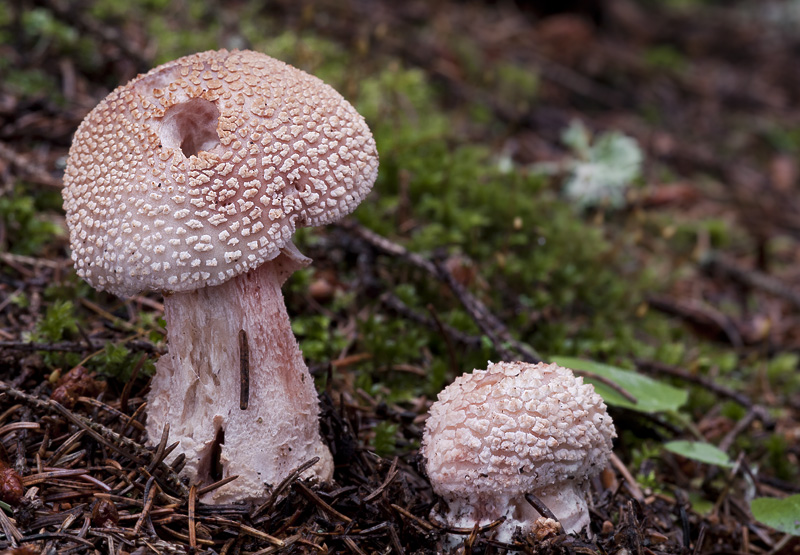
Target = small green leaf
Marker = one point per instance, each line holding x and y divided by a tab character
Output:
700	505
651	395
700	451
781	514
602	170
577	138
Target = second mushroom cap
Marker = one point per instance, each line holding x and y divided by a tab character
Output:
516	428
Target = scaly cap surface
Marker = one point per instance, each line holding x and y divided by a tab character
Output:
514	428
202	169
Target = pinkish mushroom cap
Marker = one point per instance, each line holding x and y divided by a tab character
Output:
516	428
202	169
191	180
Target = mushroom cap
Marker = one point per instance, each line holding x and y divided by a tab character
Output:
515	428
202	169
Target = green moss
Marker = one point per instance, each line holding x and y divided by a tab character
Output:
319	340
58	322
666	58
176	42
779	463
383	442
41	24
118	362
732	410
786	139
782	372
517	86
28	227
323	58
31	83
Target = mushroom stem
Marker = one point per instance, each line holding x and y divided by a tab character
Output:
565	500
197	387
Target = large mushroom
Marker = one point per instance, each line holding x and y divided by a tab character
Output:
516	428
191	180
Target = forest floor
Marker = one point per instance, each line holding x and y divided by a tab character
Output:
472	247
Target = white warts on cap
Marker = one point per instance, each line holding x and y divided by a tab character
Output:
202	169
191	180
516	428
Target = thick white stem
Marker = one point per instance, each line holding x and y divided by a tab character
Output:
566	500
197	388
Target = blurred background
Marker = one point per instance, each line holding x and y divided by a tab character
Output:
609	180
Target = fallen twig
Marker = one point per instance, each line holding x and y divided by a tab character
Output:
99	432
489	324
285	483
149	496
610	383
540	507
654	366
393	303
630	481
705	317
31	171
389	477
320	503
715	262
76	346
192	524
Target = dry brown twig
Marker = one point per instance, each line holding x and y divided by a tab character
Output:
76	346
393	303
292	477
714	262
488	323
653	366
99	432
30	171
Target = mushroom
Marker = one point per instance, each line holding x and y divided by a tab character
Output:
191	180
516	428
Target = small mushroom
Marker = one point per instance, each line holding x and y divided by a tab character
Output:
191	180
516	428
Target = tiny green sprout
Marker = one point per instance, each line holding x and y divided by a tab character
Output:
384	439
58	322
648	480
20	300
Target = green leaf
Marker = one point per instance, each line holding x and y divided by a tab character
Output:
577	138
700	451
781	514
651	395
700	505
601	171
